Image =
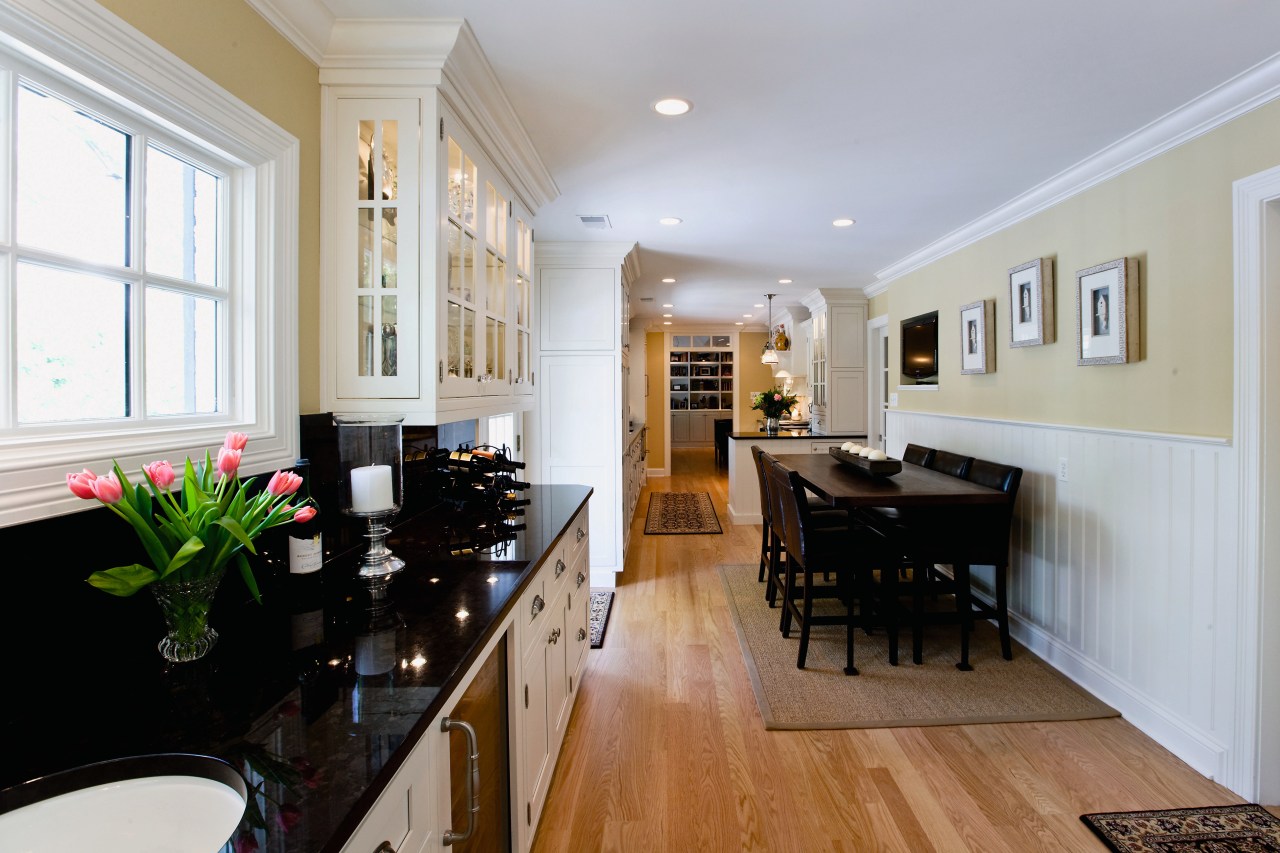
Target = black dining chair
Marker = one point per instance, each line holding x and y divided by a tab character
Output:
721	428
772	537
766	537
917	455
989	546
850	553
945	462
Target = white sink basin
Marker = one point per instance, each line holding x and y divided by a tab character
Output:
143	804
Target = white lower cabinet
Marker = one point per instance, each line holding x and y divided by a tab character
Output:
404	817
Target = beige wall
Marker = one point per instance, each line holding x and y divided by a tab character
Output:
655	414
1174	215
752	376
233	46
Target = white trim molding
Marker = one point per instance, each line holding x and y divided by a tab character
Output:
1246	91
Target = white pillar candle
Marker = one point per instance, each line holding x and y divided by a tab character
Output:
371	489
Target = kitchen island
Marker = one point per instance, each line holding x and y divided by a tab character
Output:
318	694
744	485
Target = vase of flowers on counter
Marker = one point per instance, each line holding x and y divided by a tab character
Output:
773	403
191	535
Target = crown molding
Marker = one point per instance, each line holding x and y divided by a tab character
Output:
1245	92
305	24
553	254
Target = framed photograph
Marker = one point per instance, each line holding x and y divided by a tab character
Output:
977	350
1031	303
1107	313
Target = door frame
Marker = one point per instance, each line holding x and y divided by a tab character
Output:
877	380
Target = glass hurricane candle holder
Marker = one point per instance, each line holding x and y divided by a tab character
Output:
371	486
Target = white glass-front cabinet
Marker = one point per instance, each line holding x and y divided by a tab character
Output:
427	265
837	361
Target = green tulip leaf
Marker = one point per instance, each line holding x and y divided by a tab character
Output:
123	580
233	527
185	555
246	572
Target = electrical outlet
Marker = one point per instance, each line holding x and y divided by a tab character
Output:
1062	468
893	400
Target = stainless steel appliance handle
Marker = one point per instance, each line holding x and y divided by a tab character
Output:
473	779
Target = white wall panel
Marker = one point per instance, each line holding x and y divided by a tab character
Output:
1125	575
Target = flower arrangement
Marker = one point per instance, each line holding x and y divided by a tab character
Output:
774	403
192	534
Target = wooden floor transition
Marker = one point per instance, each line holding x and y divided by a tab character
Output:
666	750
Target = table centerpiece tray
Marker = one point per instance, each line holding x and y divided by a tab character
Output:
863	465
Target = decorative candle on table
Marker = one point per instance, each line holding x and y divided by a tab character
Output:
370	473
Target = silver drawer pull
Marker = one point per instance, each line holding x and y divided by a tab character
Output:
582	634
581	578
560	567
553	637
581	535
473	778
538	604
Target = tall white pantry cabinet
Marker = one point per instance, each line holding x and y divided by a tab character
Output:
428	190
581	430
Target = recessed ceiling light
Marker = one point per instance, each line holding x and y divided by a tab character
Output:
784	281
667	305
666	315
672	106
668	281
670	220
843	222
739	323
748	316
758	305
666	322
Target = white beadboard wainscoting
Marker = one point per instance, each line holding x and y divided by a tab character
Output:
1125	576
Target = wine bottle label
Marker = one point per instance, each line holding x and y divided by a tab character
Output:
305	555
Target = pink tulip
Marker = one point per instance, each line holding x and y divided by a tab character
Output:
283	483
228	461
235	441
777	397
81	485
304	514
107	489
161	473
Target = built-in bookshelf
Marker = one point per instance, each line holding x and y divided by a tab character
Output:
700	373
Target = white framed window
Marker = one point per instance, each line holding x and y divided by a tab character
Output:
148	259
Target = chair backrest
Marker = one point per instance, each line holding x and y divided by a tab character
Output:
917	455
786	510
757	456
954	464
991	545
775	519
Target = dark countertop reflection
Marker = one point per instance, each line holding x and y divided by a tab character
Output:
313	693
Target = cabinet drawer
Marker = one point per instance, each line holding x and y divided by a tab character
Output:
577	539
531	613
824	446
402	815
556	573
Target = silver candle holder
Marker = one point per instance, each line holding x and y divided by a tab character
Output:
371	486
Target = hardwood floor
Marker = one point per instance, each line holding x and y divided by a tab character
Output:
666	750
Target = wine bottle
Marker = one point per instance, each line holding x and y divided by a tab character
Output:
306	542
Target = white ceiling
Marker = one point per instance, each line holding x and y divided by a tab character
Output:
913	117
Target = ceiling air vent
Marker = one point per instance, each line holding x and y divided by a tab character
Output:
596	223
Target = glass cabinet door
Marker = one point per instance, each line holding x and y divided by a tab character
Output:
462	288
378	210
522	301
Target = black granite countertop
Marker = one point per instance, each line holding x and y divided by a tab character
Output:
314	691
785	432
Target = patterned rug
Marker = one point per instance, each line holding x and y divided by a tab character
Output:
1213	829
598	618
680	512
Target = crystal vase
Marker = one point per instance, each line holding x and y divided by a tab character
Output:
185	605
771	426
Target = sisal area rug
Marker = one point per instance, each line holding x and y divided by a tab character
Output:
598	617
1219	829
821	696
680	512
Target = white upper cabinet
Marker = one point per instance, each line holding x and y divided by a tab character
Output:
837	361
428	189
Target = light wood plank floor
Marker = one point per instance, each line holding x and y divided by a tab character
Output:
666	750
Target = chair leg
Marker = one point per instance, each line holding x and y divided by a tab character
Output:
775	568
964	606
806	619
1002	612
918	579
850	626
888	606
764	549
788	596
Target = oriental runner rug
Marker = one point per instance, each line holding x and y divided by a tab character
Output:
935	693
598	617
1211	829
673	513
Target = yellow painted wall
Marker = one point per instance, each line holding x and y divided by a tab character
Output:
655	410
233	46
752	376
1174	215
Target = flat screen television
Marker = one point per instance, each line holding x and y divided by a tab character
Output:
920	347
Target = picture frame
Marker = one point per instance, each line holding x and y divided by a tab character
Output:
1031	320
977	349
1107	321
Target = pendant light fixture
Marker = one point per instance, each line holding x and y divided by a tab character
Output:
770	354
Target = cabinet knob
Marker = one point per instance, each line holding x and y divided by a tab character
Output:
581	578
560	567
553	637
581	534
538	605
582	634
385	847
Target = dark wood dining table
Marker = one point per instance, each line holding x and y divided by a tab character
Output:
940	495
